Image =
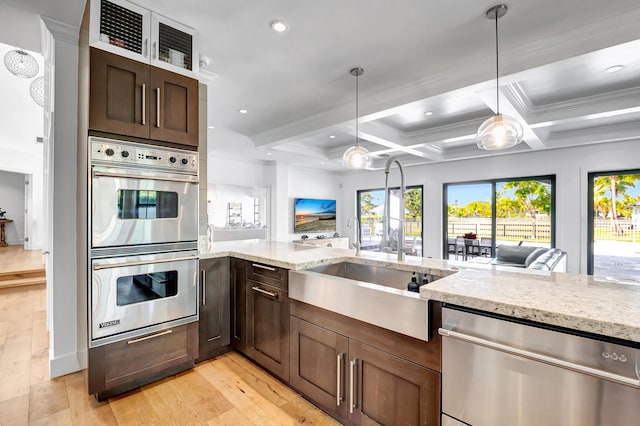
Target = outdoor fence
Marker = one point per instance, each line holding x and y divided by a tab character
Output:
507	229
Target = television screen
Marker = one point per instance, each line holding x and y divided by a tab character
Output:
314	215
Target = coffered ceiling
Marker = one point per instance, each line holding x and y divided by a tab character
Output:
419	56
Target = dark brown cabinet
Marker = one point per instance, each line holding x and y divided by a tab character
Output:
238	279
335	365
215	306
267	318
385	389
121	366
135	99
318	360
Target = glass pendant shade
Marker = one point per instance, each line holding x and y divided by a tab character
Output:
21	64
499	132
36	90
357	157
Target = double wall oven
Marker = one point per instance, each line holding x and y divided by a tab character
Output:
143	239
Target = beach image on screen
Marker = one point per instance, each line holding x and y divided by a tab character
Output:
315	215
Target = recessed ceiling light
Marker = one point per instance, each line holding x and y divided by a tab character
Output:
332	136
279	26
614	68
268	153
428	113
322	163
242	111
211	127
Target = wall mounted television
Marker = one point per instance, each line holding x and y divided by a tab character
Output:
314	215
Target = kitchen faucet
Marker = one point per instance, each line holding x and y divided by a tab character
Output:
387	205
356	240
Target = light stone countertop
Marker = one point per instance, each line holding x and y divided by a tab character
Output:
573	301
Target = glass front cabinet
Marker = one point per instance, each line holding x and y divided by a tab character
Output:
129	30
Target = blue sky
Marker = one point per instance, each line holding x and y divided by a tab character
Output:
310	206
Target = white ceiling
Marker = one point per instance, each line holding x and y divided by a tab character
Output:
418	56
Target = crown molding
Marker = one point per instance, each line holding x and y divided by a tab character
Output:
61	30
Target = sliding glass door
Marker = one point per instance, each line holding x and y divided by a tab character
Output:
483	215
614	225
371	214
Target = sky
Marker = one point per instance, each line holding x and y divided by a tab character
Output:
310	206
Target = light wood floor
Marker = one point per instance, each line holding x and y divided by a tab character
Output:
19	267
228	390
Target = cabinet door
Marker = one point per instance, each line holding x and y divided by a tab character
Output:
174	46
239	304
268	327
174	108
215	300
121	366
389	390
120	27
318	360
119	89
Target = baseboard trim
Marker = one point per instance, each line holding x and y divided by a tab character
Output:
63	365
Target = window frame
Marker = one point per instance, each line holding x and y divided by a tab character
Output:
493	183
394	188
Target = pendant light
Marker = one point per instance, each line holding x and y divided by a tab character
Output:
500	131
21	64
356	157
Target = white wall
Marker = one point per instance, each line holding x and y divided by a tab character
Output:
284	183
12	201
313	183
570	165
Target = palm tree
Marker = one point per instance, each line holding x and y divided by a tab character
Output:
616	185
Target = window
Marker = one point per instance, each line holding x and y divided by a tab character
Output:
614	224
371	214
482	215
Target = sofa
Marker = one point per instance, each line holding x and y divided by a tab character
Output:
536	258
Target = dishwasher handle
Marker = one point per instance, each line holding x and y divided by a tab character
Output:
600	374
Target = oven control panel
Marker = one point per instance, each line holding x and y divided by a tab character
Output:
129	153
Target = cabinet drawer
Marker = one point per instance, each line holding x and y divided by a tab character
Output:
271	275
140	360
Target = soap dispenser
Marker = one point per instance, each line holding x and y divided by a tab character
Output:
413	285
425	279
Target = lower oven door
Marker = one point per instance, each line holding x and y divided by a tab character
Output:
131	207
131	294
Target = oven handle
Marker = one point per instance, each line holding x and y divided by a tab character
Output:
98	266
131	176
600	374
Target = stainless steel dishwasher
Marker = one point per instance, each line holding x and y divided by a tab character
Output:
496	371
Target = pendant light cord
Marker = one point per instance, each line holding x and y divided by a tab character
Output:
357	116
497	69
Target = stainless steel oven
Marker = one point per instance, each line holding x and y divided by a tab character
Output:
149	292
142	194
143	239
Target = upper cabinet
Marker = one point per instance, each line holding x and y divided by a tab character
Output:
130	98
128	30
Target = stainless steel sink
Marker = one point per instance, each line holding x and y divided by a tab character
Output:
372	294
387	277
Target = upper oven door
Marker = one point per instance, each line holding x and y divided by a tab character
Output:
135	292
131	207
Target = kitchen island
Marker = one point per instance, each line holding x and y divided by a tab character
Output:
574	301
344	332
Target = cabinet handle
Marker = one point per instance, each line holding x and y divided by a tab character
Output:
339	379
146	45
155	53
268	268
149	337
144	103
204	287
265	292
352	402
158	107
